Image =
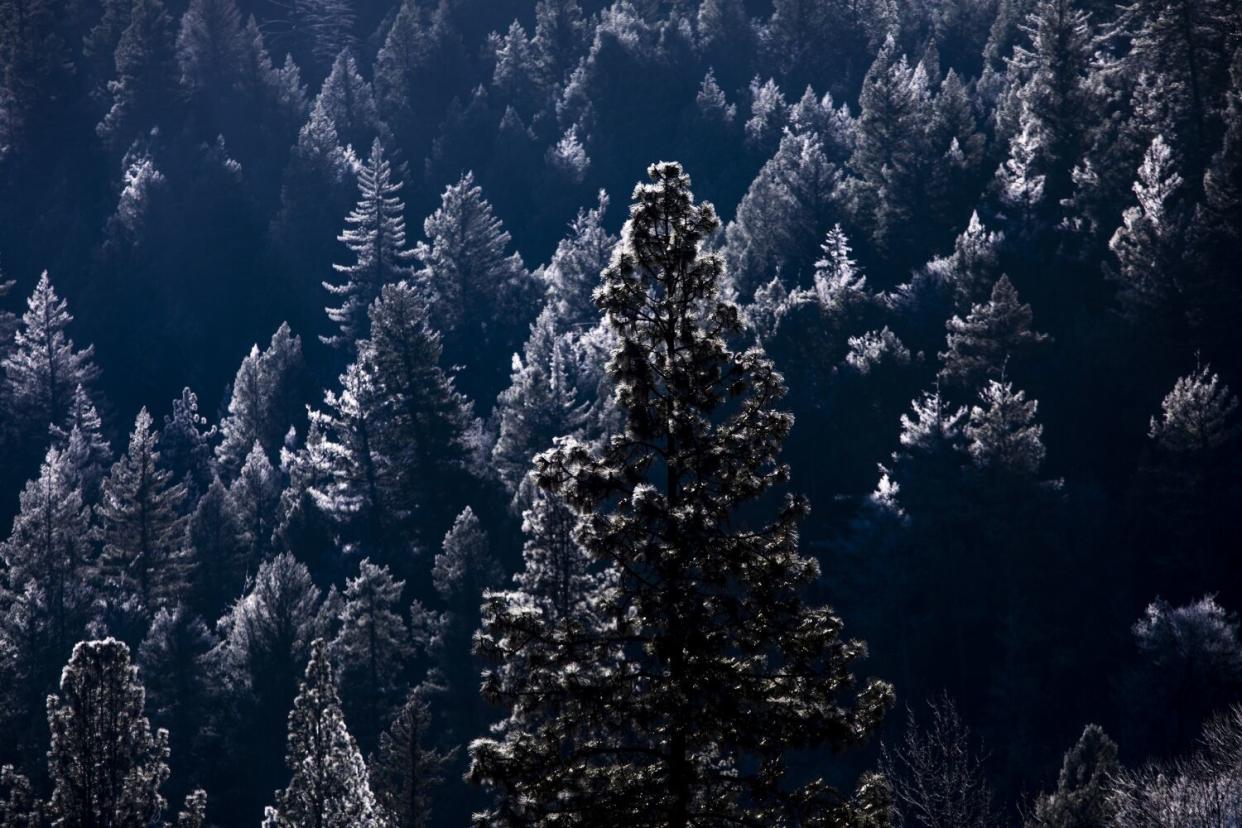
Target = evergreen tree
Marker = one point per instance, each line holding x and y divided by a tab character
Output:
706	630
558	574
1084	786
185	443
214	539
254	500
981	345
408	766
329	787
464	567
376	236
105	763
573	272
348	102
146	77
840	287
371	649
1197	416
83	444
210	52
1004	437
49	549
44	368
142	525
1149	243
265	399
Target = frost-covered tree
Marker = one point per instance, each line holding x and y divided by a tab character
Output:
264	400
44	368
1082	798
50	548
371	648
1004	437
214	540
146	75
839	285
348	102
376	236
703	645
464	567
105	763
573	272
254	501
85	448
409	766
142	526
1197	416
557	572
981	345
540	404
185	443
1149	243
329	788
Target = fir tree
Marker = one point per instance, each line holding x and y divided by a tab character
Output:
573	272
376	236
142	526
44	368
265	397
185	443
839	285
703	641
214	539
348	102
408	766
464	567
1197	416
329	787
371	649
981	345
1004	437
105	763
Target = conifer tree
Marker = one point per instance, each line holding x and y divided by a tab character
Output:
992	333
146	76
573	272
840	286
44	369
254	501
49	548
1084	785
185	443
408	766
371	648
83	444
1197	416
105	763
8	320
142	525
464	567
376	236
265	398
1004	437
214	539
329	788
348	101
706	630
557	573
1149	243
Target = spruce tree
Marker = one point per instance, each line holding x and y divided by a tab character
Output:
142	526
994	332
329	788
681	709
376	237
105	763
45	368
408	766
371	649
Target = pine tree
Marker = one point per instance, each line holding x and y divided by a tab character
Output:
376	236
82	442
994	332
464	567
210	52
266	396
142	525
185	443
1004	437
702	640
254	501
1197	416
1084	785
840	287
573	272
44	368
408	766
348	101
329	788
1149	243
146	77
558	574
50	548
105	763
371	649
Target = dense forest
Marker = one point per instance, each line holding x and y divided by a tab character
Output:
672	413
